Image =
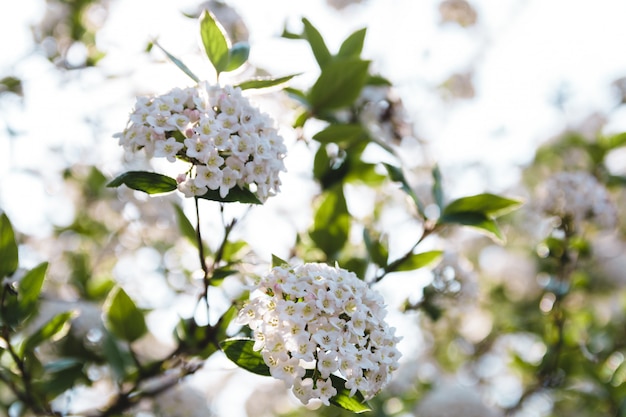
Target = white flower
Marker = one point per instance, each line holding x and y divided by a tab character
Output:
214	127
321	318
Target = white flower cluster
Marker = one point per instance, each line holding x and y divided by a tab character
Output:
229	142
576	197
314	321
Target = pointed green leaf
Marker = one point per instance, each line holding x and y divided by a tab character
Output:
54	329
339	84
241	352
378	80
265	82
353	45
331	227
237	55
318	46
479	221
215	41
123	318
8	248
415	261
396	175
489	204
276	261
342	399
29	288
185	226
179	64
235	195
148	182
340	133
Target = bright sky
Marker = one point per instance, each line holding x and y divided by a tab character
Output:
521	53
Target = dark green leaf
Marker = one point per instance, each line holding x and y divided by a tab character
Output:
415	261
339	84
331	226
241	352
437	189
376	249
479	221
59	376
489	204
29	289
342	399
185	226
276	261
364	173
353	45
318	46
179	64
55	328
237	55
340	133
8	248
265	82
396	175
215	41
119	360
235	195
123	318
148	182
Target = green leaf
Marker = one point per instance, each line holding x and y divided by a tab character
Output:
477	220
341	133
339	84
8	248
185	226
179	64
237	55
331	226
123	318
265	82
119	360
415	261
215	41
29	289
437	188
148	182
318	46
59	376
613	141
396	175
377	251
378	80
342	399
276	261
55	328
353	45
489	204
241	352
235	195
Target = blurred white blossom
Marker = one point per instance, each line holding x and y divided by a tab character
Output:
576	197
452	400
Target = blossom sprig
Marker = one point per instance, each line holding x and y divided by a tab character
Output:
313	323
227	140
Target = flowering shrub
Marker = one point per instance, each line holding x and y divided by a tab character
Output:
228	141
312	321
